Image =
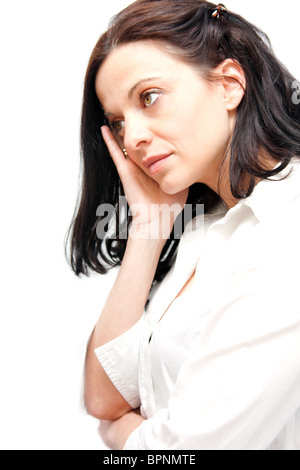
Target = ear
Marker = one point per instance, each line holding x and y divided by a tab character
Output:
233	82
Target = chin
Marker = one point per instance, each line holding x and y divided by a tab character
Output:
171	187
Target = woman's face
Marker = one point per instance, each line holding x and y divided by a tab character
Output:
173	123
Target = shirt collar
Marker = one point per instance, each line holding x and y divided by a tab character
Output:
267	198
271	196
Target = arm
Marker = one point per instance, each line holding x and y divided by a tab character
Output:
115	433
124	307
126	301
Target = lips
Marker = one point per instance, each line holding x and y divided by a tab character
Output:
153	164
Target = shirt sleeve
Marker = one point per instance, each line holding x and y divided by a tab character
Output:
241	385
120	360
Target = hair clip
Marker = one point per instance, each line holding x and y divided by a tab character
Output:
220	13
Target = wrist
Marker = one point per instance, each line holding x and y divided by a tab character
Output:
153	232
144	244
154	224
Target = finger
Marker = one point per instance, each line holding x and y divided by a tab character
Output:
113	147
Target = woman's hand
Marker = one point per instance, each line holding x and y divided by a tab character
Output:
144	195
115	433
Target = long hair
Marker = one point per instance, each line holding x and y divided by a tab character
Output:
268	122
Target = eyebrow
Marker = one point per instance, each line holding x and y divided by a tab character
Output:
132	89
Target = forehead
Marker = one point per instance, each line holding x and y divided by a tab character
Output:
130	63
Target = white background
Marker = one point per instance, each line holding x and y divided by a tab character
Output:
46	312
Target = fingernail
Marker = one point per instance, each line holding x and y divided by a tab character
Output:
103	129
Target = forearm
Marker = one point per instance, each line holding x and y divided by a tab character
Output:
126	301
124	307
115	433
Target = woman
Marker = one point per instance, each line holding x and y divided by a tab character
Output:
194	109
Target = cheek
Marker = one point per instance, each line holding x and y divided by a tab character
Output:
195	122
210	128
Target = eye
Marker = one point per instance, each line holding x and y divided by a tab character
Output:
117	126
149	97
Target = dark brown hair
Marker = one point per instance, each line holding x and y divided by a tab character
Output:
267	118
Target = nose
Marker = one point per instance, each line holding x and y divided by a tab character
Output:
137	133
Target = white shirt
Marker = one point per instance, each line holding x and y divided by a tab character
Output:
220	370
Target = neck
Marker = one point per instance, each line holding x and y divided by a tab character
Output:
222	185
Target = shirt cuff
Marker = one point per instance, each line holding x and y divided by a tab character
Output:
120	360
